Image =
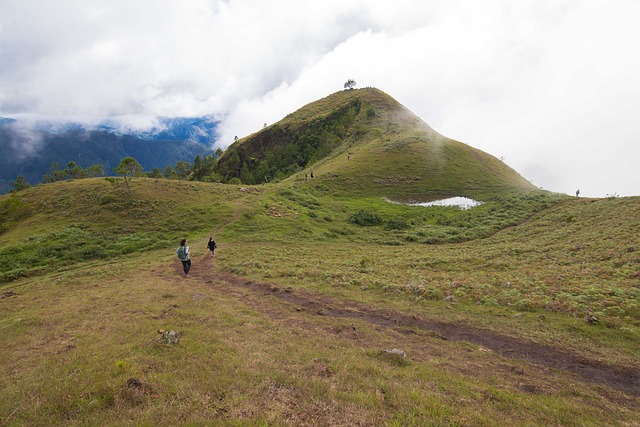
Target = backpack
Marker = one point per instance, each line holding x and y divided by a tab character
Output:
181	253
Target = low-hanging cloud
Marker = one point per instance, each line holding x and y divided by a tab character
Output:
551	86
20	141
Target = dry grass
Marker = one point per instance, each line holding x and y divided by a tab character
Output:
84	349
278	332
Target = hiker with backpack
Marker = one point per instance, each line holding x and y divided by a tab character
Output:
211	245
183	255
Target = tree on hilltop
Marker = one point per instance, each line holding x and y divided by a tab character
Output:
350	84
72	171
75	171
183	169
20	184
95	170
128	168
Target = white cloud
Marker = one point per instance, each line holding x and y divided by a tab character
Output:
550	85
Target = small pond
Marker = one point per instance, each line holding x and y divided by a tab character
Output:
456	201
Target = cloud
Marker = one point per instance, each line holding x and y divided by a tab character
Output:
551	86
21	141
89	59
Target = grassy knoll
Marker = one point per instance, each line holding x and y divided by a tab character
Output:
364	143
63	223
289	323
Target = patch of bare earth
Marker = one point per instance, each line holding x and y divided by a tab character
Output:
621	378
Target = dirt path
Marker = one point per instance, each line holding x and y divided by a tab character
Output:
621	378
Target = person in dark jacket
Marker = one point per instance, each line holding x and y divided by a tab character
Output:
211	245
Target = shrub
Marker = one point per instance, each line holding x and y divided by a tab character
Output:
396	224
370	112
365	218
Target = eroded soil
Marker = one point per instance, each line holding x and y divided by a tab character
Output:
625	379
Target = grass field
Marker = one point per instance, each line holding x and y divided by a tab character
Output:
294	321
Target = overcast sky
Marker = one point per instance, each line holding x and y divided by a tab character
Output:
551	86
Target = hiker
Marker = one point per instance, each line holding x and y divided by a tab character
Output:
578	192
183	254
211	245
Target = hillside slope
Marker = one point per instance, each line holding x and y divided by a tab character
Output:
301	331
364	141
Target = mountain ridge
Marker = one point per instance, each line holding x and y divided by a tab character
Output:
30	149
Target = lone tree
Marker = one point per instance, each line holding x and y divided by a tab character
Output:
128	168
350	84
19	184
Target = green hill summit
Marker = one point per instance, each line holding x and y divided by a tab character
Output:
366	142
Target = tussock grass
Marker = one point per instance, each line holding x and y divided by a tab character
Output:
84	349
90	276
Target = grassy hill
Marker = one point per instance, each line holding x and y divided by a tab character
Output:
365	142
325	304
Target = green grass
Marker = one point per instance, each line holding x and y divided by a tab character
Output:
73	344
354	152
89	275
70	222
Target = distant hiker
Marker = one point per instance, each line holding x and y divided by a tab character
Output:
183	255
311	175
578	192
305	177
211	245
348	156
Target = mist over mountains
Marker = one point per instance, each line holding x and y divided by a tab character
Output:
29	148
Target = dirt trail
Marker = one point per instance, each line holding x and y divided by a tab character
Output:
621	378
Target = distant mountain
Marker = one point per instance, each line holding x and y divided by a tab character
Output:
196	129
28	151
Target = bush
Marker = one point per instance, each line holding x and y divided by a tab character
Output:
366	218
370	112
396	224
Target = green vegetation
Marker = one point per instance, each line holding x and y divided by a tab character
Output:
326	304
101	221
288	147
128	168
72	171
19	184
94	286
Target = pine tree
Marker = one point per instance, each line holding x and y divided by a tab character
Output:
128	168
